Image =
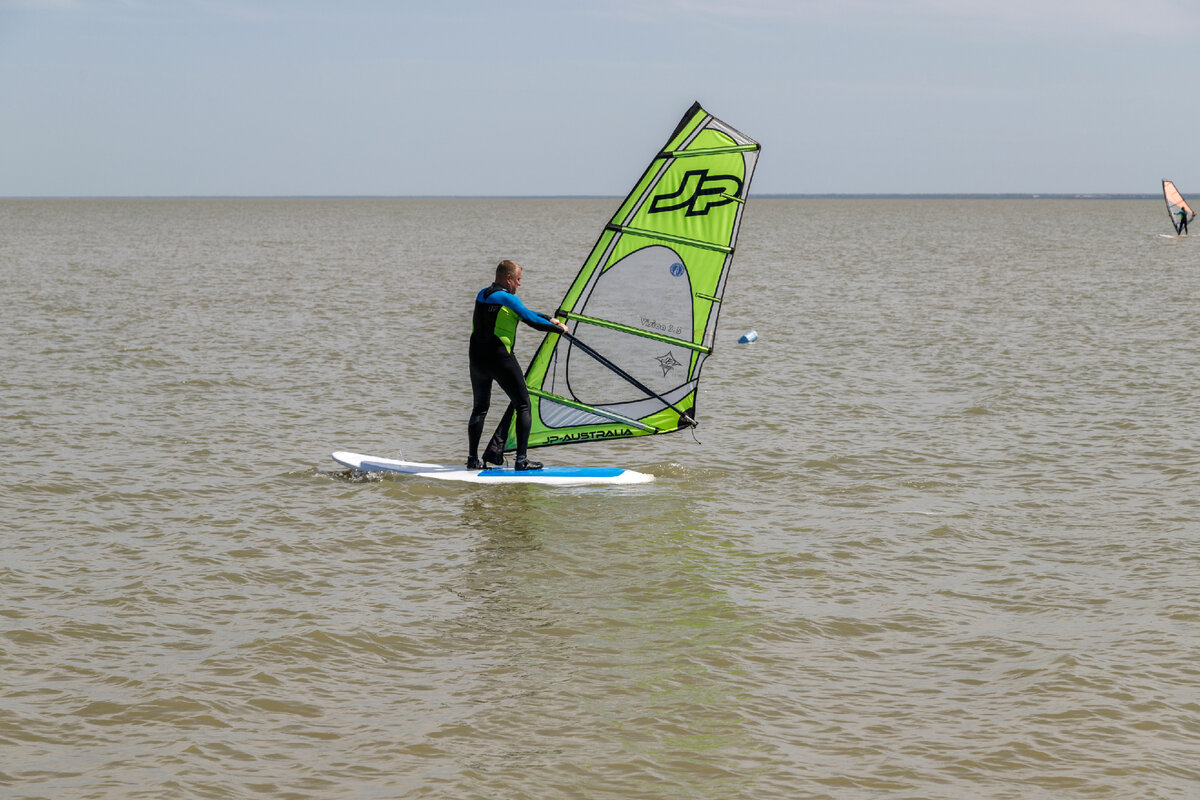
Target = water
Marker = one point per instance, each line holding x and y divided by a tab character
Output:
936	537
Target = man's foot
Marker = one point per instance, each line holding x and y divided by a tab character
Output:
474	463
524	463
490	456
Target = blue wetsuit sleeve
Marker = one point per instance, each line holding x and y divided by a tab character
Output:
509	300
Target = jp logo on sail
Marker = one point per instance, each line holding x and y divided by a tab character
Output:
699	192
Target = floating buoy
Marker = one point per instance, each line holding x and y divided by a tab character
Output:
748	337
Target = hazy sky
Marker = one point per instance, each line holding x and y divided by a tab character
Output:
526	97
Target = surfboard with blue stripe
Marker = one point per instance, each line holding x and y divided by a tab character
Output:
548	475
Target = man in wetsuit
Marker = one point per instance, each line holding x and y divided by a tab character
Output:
494	329
1181	229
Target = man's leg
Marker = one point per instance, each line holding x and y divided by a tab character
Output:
512	381
481	391
494	452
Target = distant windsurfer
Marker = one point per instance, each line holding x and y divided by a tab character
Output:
493	332
1181	229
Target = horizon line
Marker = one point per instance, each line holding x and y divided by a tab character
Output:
759	196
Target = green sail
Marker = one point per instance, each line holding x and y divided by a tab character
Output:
642	313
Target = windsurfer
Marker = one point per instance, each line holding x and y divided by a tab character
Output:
1181	229
494	330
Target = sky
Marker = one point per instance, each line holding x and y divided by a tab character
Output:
554	97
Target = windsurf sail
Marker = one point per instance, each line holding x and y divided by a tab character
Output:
642	312
1175	204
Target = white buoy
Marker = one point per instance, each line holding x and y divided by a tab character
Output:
748	337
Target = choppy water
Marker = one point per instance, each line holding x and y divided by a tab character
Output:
938	536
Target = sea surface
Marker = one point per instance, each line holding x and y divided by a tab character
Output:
937	535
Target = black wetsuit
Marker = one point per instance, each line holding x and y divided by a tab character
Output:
492	334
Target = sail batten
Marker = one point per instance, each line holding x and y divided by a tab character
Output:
633	331
647	296
709	152
665	237
600	412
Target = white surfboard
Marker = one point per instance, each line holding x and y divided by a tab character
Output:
551	475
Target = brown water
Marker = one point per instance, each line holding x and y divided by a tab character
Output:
937	536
